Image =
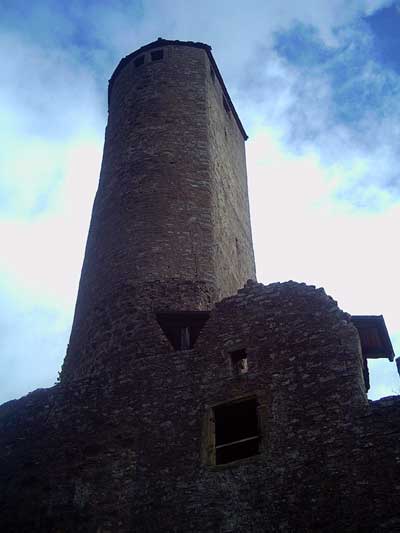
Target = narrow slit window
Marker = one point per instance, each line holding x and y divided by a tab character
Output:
185	338
237	434
239	362
226	105
182	328
157	55
139	61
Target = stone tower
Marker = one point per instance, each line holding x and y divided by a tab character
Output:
192	398
171	214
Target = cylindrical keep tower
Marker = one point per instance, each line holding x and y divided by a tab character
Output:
170	226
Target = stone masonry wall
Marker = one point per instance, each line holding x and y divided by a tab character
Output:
129	451
233	250
151	218
123	327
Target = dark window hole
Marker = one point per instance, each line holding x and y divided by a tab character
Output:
157	55
236	431
139	61
239	362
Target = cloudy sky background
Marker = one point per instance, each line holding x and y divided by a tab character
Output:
317	86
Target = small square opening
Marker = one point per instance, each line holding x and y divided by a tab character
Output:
157	55
139	61
239	362
237	434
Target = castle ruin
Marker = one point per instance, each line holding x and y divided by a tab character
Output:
192	398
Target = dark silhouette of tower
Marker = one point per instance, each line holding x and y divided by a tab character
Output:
192	398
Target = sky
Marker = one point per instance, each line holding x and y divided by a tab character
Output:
316	84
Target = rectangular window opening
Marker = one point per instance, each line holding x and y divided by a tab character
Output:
239	362
237	434
139	61
157	55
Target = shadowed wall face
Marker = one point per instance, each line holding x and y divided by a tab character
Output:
172	203
144	450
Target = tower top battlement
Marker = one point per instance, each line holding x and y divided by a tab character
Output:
159	43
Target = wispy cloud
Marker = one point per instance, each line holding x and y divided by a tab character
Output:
33	339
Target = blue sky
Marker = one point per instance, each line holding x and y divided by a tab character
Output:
316	84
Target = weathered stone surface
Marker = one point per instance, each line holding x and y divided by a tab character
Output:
122	443
125	450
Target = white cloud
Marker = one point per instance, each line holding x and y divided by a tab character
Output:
44	252
33	339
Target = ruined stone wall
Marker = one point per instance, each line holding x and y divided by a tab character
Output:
129	452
